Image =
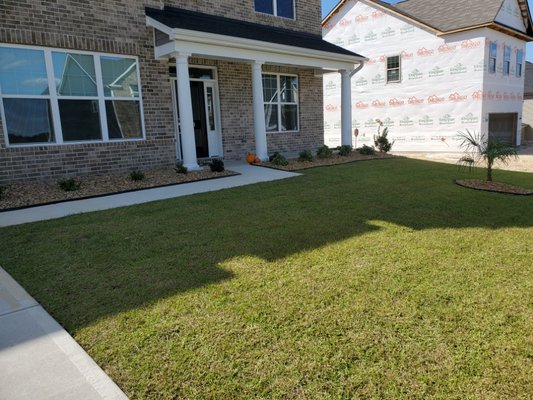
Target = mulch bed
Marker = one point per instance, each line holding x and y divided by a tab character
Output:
295	165
19	195
494	187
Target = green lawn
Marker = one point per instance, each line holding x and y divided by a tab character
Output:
371	280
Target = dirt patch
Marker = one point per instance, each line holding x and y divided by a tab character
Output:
494	187
24	194
295	165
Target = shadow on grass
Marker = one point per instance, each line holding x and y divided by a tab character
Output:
86	267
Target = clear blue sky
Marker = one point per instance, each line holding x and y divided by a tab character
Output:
327	5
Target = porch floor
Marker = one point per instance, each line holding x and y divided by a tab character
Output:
248	175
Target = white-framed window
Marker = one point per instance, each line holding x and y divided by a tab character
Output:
280	8
394	69
493	57
519	63
56	96
506	60
280	94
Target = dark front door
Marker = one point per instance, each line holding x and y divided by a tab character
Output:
503	127
198	112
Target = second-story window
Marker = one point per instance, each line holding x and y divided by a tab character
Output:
507	60
493	52
519	61
393	69
280	8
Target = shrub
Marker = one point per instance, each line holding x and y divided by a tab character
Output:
382	141
69	185
180	168
367	150
279	159
217	165
305	155
137	175
479	148
324	152
2	191
345	150
274	155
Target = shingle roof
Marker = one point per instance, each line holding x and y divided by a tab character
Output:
450	15
195	21
447	15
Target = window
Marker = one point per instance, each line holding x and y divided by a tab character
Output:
61	96
519	63
493	52
506	60
281	8
393	69
280	94
25	96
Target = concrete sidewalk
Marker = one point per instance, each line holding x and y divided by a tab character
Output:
38	359
524	163
249	175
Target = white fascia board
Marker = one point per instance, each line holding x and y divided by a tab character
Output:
248	55
226	47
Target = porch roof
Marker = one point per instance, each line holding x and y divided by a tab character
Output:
269	43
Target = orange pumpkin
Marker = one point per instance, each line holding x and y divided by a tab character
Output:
250	158
257	160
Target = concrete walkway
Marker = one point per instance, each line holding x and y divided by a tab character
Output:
249	175
39	360
524	163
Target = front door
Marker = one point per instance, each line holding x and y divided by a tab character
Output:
200	123
205	109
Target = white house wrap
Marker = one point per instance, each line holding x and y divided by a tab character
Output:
445	82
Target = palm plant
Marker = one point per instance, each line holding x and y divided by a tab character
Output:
478	149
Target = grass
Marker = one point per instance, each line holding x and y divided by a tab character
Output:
374	280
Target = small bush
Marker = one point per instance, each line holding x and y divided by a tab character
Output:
382	141
2	191
305	155
345	150
324	152
367	150
180	168
279	159
137	175
69	185
274	155
217	165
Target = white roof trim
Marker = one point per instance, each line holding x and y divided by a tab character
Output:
228	47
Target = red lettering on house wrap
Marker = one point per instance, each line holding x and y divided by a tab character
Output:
378	104
415	101
331	108
423	52
456	97
470	44
394	102
446	48
436	99
361	105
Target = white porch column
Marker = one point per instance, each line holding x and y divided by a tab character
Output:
261	149
188	141
346	108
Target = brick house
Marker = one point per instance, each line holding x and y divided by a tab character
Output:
435	68
96	87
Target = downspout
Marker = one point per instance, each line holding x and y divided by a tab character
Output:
359	68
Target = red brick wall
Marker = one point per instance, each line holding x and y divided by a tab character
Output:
119	27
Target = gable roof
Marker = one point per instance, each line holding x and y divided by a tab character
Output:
447	16
178	18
